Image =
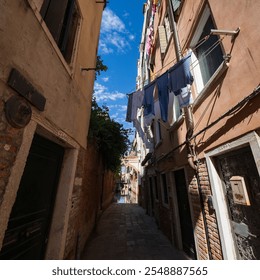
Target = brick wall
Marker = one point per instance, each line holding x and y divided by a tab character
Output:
165	221
89	199
210	218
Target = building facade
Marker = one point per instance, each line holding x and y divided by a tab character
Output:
198	125
45	109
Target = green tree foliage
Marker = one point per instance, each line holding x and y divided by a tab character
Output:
100	66
110	136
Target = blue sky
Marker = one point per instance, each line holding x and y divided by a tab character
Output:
118	46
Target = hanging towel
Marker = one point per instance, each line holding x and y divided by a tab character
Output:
163	93
129	108
148	101
180	75
137	101
185	97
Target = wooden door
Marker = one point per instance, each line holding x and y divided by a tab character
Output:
27	233
245	219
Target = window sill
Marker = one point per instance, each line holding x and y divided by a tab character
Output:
209	85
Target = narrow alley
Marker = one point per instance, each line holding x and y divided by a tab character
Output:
125	232
129	130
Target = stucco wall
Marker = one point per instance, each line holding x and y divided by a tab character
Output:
236	82
27	45
241	77
34	53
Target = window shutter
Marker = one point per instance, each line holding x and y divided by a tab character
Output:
67	27
53	13
162	38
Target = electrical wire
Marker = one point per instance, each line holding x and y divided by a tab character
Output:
234	109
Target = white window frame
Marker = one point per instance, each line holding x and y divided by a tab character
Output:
198	80
174	111
165	33
225	229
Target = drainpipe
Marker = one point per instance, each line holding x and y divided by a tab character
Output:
190	128
187	110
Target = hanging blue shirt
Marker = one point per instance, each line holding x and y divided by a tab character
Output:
180	75
163	93
148	101
129	108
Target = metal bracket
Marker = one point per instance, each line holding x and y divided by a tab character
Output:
232	33
88	69
105	2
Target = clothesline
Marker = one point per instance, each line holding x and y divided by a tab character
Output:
195	63
178	78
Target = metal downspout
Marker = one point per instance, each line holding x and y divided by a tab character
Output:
187	110
190	128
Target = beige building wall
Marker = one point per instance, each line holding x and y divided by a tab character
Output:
34	52
237	80
27	45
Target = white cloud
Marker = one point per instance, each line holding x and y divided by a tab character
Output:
120	120
131	37
104	47
110	22
105	79
114	116
123	108
114	35
103	94
126	14
118	107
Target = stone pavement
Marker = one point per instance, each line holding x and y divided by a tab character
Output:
125	232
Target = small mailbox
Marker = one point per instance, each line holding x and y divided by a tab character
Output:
239	190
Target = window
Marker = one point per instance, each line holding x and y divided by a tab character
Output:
156	128
158	131
175	6
206	56
165	32
174	110
62	18
168	28
165	197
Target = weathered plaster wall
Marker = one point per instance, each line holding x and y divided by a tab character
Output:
34	53
27	45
